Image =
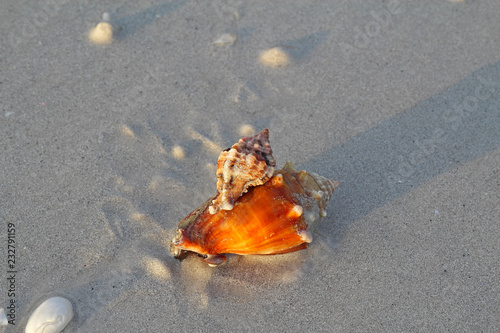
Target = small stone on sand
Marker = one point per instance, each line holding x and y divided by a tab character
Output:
274	57
178	152
246	130
106	17
128	131
102	34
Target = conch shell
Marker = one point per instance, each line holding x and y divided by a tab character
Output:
274	216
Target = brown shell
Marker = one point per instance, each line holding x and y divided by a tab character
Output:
276	217
246	164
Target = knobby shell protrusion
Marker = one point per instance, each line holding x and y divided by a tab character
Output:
247	163
51	316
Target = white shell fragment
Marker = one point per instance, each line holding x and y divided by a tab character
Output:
51	316
3	318
225	39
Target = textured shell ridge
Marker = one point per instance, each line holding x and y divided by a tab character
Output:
248	163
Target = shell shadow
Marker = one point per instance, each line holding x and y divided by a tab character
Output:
301	48
246	32
459	124
238	279
132	23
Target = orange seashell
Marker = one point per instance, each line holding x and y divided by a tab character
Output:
276	217
249	162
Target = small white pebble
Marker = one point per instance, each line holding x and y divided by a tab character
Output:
246	130
225	39
178	152
106	17
128	131
274	57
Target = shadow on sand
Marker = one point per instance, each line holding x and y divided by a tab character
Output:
460	124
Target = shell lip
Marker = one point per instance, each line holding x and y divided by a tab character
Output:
180	247
177	252
175	248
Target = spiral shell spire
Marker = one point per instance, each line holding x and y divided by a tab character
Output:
249	162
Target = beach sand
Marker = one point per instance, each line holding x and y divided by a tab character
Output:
105	147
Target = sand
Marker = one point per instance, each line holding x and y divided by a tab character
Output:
104	148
